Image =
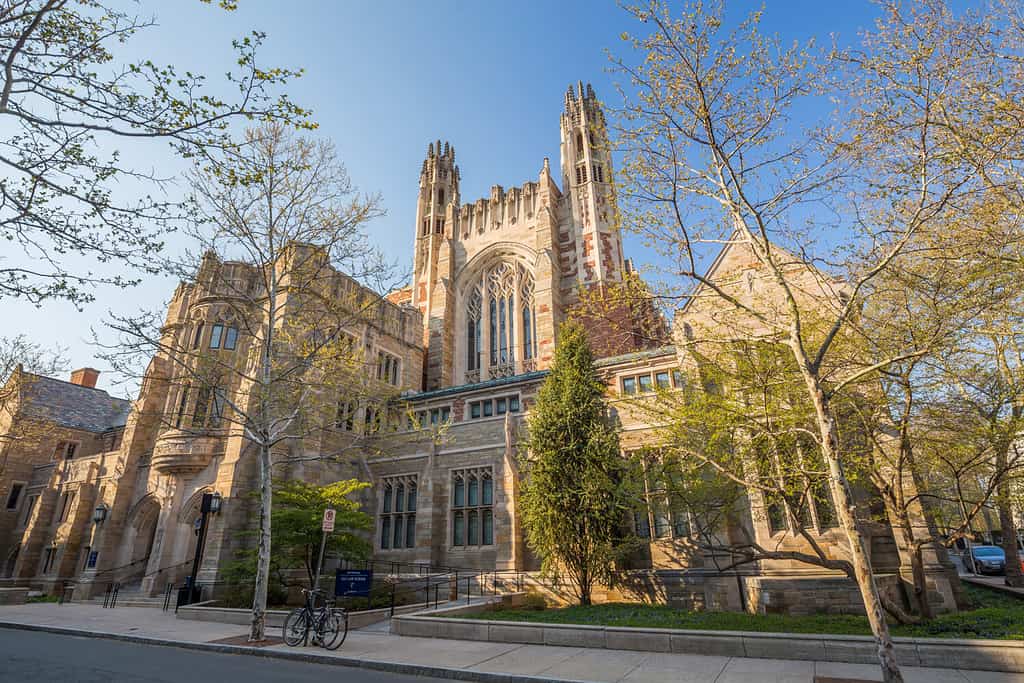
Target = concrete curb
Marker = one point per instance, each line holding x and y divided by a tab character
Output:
298	656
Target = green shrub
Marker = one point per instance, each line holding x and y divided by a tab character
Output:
534	601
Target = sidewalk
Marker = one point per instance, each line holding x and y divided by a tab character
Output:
466	660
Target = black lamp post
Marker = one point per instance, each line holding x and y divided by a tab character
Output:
210	504
99	514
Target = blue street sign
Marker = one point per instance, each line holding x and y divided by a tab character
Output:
352	582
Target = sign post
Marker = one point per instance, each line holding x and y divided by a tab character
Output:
327	527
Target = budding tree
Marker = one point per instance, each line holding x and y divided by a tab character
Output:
812	212
282	247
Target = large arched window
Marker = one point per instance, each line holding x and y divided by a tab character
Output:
501	326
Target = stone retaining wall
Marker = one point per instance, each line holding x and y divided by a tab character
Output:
987	655
797	593
13	596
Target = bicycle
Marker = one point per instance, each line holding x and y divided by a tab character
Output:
328	623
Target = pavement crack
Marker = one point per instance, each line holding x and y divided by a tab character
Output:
500	654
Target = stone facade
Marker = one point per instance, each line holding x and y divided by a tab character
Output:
473	335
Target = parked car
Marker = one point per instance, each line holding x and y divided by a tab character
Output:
988	559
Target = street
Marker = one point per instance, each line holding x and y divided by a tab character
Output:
37	656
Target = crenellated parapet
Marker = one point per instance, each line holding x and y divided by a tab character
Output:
501	210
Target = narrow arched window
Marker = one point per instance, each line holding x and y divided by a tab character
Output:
529	320
473	336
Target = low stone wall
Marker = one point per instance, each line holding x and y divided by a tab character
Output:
986	655
797	593
13	596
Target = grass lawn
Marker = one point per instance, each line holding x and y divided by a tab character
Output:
993	615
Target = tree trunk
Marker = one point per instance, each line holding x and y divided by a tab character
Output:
257	630
839	487
920	583
1014	576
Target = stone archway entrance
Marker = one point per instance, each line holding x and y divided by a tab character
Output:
139	537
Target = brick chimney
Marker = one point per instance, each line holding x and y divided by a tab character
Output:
85	377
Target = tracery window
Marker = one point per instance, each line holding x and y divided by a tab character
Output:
500	317
472	507
398	512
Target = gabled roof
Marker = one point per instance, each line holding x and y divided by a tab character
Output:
736	242
72	405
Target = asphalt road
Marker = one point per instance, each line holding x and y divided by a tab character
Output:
36	656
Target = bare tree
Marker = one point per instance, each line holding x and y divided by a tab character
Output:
282	226
67	103
811	214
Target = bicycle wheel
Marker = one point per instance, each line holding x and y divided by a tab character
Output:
296	625
337	622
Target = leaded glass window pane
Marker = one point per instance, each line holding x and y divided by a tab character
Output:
488	538
215	335
410	531
488	491
457	529
399	535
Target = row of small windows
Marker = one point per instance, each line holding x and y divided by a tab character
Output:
398	513
221	337
493	406
432	417
646	382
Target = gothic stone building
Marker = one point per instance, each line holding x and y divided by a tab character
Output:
467	344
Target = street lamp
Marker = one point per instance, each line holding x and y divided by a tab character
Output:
99	514
211	503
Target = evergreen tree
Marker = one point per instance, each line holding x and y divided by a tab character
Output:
575	492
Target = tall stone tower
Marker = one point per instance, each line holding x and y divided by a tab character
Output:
587	182
435	218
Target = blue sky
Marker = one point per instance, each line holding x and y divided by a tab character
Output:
386	77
